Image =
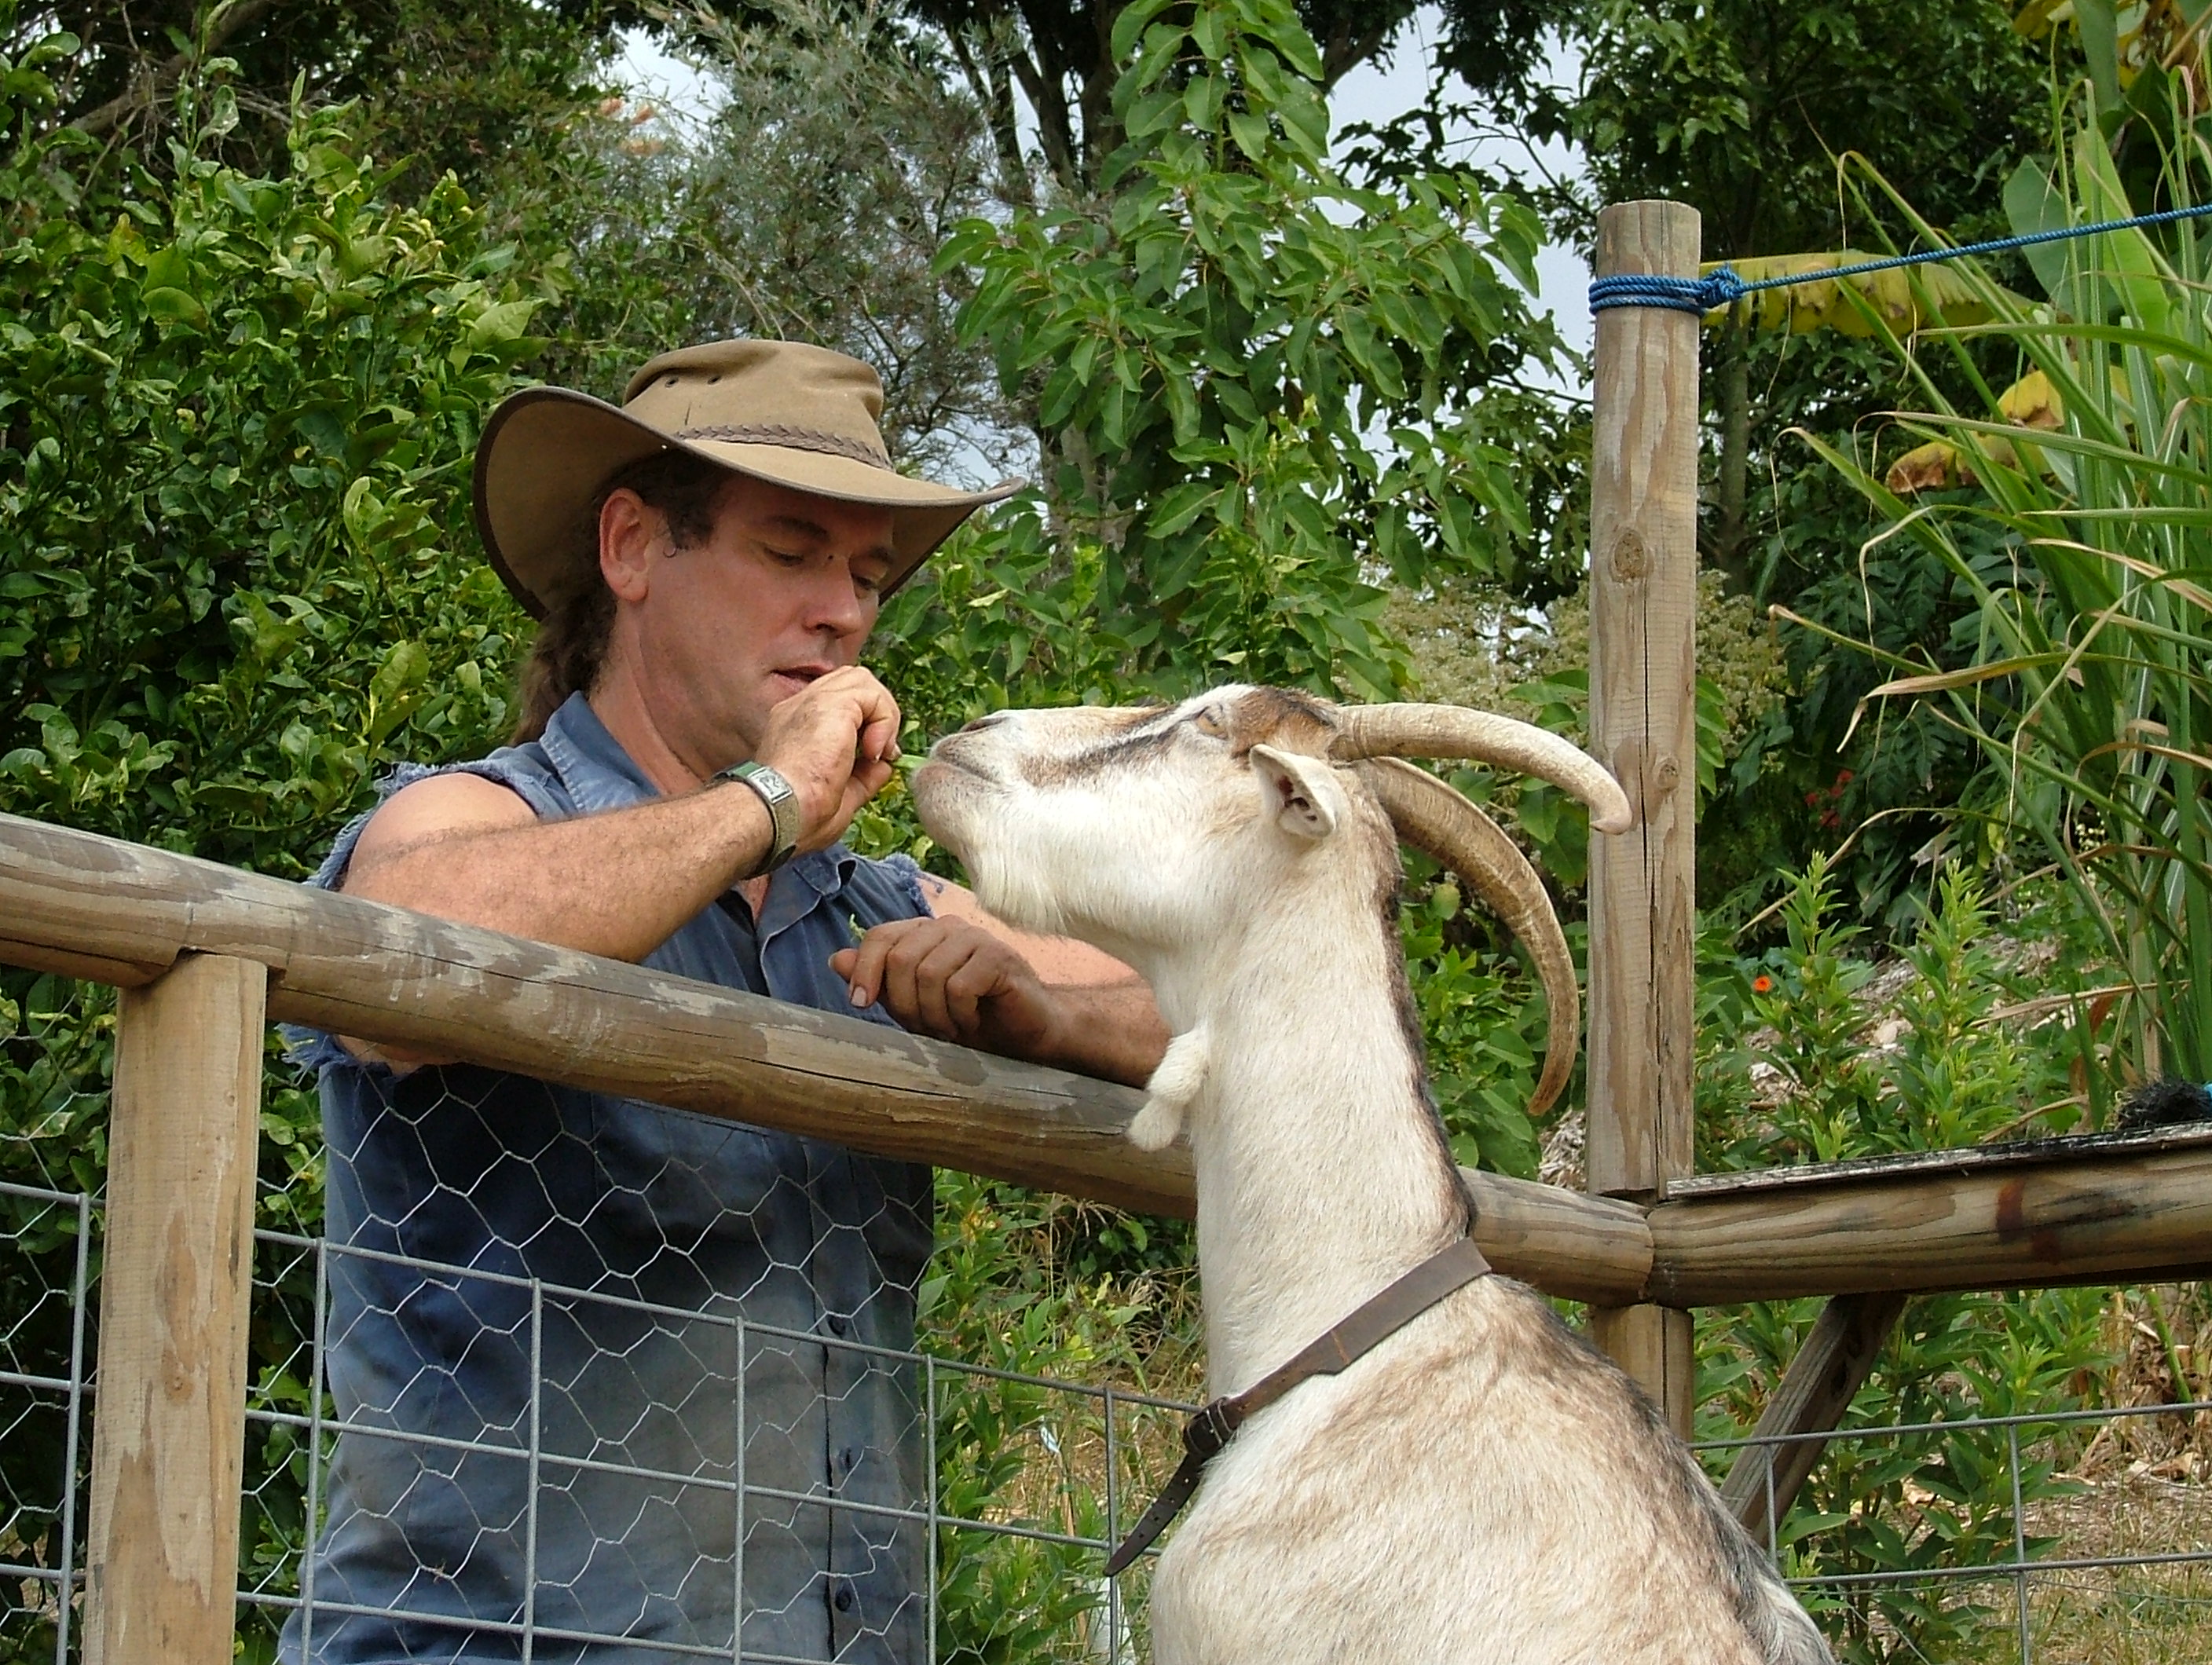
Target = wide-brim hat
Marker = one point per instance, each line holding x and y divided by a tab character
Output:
780	410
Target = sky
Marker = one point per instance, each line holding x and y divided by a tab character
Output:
1372	93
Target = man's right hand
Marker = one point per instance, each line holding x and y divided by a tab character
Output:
834	741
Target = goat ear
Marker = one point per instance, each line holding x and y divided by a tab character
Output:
1301	794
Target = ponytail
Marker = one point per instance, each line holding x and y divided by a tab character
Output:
570	649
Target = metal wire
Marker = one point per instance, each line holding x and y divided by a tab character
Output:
1061	1511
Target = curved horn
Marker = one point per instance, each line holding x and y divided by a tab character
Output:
1439	823
1483	737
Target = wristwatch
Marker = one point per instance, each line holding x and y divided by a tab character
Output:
781	803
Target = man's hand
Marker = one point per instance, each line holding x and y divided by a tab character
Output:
951	978
834	741
962	974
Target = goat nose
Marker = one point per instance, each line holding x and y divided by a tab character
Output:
991	720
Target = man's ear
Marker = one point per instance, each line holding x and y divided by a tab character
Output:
626	532
1301	794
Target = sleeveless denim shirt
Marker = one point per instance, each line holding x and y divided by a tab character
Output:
530	1342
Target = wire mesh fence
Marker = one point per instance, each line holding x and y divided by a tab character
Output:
978	1550
45	1358
987	1547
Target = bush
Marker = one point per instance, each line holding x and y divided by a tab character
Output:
237	577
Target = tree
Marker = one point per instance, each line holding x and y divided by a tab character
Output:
1746	110
449	83
1059	54
1261	385
1743	109
811	206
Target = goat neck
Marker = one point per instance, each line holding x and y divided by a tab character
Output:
1322	1173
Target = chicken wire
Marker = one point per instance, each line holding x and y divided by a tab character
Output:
1025	1481
1015	1568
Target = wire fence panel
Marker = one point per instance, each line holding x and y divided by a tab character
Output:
2080	1555
46	1347
985	1547
975	1534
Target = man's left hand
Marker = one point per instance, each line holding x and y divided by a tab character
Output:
950	978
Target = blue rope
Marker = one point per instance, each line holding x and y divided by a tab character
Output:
1722	288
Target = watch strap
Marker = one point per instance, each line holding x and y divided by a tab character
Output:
780	801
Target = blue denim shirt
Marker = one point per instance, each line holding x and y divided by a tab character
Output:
531	1344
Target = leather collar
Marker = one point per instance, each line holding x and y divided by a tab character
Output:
1375	1320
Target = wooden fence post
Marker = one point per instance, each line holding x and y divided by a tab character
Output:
168	1442
1643	593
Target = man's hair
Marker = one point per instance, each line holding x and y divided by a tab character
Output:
571	643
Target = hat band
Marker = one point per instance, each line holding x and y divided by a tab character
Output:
791	439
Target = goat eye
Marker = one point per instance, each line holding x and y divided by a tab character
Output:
1206	723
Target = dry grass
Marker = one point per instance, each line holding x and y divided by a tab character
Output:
2127	1615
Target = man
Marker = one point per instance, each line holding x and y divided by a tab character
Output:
657	1313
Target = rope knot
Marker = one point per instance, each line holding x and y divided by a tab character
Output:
1696	296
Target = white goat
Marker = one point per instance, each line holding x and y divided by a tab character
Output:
1483	1486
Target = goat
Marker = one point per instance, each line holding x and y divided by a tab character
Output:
1483	1487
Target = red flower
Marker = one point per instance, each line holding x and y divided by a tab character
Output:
1762	984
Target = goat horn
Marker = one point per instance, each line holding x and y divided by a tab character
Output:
1484	737
1438	821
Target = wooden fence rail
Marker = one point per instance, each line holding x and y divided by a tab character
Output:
2066	1212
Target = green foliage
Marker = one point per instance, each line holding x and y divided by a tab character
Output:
1016	1287
1220	345
1950	1072
1742	109
445	84
1484	1019
237	557
809	206
2081	550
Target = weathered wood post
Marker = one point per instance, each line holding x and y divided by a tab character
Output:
168	1445
1643	592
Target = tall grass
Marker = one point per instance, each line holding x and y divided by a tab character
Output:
2086	545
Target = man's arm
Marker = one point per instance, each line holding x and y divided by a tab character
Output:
622	882
964	975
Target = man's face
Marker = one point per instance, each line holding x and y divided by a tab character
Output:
785	589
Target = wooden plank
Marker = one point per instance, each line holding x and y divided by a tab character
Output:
2070	1150
2140	1215
1812	1397
1578	1248
1644	593
168	1446
92	968
405	980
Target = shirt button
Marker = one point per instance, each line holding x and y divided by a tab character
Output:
840	1324
844	1598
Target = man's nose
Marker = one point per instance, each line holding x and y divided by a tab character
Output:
838	604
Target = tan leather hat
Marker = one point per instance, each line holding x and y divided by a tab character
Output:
802	416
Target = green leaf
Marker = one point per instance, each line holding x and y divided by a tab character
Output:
174	305
1131	23
499	325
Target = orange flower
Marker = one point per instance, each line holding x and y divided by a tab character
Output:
1762	984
